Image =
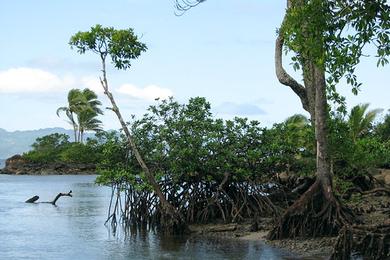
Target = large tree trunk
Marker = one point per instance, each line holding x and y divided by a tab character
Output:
171	219
317	212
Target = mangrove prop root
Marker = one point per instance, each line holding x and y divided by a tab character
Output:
316	213
197	202
372	242
53	202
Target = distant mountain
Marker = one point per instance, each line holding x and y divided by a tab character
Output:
18	142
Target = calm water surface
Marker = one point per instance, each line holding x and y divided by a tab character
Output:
74	229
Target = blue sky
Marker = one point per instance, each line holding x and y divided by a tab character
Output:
222	50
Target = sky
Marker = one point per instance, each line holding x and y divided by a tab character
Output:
222	50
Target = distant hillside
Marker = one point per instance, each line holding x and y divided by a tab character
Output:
18	142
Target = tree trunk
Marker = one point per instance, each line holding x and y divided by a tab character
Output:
171	219
321	130
317	212
75	133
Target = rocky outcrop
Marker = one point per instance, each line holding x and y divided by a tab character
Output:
383	175
20	166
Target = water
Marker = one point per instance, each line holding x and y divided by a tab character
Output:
74	229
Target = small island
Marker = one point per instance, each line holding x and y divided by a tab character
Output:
20	166
54	154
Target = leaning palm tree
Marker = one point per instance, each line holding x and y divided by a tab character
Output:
82	110
88	121
89	111
75	102
360	120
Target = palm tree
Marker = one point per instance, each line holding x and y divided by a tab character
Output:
360	120
297	120
89	111
82	110
74	102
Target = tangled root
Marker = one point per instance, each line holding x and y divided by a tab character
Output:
372	242
316	213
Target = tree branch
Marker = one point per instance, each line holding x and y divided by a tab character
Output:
284	78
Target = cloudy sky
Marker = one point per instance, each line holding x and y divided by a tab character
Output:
221	50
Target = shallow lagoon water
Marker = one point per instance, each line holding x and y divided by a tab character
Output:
75	228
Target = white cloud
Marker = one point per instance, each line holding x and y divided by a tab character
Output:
26	80
93	83
149	93
17	80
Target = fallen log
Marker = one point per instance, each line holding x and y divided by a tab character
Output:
53	202
213	228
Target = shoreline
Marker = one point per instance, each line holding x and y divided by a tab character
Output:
308	248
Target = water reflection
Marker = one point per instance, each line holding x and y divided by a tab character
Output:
74	229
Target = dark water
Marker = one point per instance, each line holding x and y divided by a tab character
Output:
74	229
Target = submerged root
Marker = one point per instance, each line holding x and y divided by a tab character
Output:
372	242
172	222
316	213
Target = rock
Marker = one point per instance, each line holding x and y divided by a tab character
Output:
387	179
19	166
283	177
385	172
379	177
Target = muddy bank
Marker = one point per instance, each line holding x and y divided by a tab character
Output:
371	208
319	248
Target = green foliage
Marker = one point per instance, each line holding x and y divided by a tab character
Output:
47	148
121	45
291	146
333	34
57	148
361	121
184	143
51	141
382	130
341	185
79	153
355	152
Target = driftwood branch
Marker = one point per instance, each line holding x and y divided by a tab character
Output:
53	202
69	194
